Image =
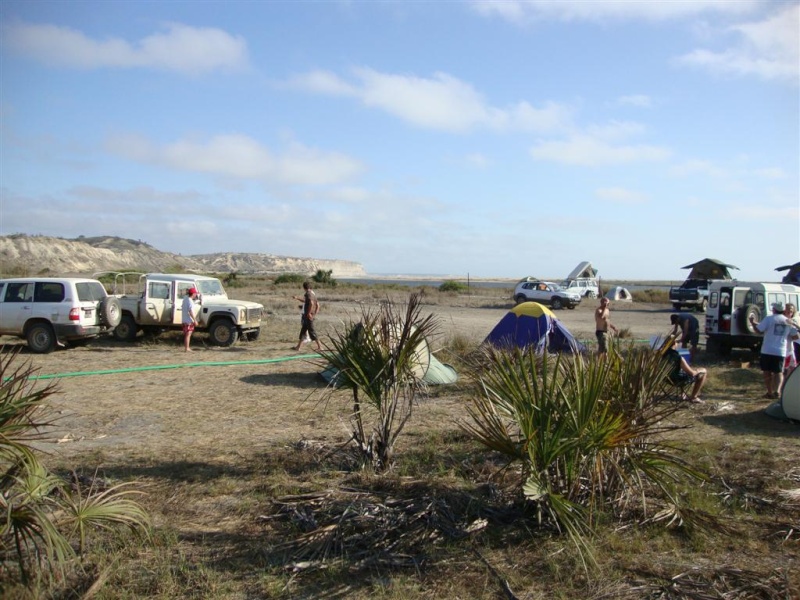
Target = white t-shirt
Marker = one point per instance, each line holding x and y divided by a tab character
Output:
187	308
776	330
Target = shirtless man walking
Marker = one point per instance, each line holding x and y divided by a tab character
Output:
603	324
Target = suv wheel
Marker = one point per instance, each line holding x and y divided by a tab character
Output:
520	298
126	330
223	333
41	338
744	317
702	306
591	294
556	303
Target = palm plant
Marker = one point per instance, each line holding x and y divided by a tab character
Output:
380	358
40	512
585	430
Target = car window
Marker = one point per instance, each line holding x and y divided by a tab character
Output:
49	291
19	292
90	291
159	290
210	287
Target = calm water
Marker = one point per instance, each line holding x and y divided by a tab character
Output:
632	287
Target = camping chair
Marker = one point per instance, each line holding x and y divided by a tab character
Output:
677	384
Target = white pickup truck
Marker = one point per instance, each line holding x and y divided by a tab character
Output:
154	305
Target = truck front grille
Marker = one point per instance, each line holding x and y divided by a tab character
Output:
253	314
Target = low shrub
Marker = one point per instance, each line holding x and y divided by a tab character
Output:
453	286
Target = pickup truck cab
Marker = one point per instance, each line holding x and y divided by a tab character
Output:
730	304
155	306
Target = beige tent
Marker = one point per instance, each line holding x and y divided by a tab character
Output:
619	294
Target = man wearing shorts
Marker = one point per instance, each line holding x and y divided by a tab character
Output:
188	319
776	329
310	308
690	332
603	324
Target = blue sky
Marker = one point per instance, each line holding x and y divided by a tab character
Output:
485	138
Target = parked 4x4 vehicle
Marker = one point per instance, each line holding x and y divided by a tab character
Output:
545	292
730	304
693	292
155	305
52	311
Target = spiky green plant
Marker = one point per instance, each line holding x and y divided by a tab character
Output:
39	511
586	431
379	358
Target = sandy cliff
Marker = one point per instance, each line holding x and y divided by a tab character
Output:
29	255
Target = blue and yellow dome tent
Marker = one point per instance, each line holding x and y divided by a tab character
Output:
532	324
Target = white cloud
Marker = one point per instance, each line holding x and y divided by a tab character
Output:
586	150
441	102
769	49
620	195
698	167
756	211
241	157
522	11
179	48
638	100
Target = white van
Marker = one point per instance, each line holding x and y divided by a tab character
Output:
730	304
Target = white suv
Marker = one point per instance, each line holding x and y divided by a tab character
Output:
587	287
50	311
545	292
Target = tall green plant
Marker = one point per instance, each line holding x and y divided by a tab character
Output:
379	359
40	513
585	430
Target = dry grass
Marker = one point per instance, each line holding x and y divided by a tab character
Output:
255	493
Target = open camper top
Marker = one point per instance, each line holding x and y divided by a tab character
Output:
710	268
584	269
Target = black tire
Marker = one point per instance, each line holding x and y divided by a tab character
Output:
127	329
252	336
520	298
571	306
110	312
677	306
41	338
591	294
702	306
556	303
223	333
744	317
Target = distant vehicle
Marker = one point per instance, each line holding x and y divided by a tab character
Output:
693	293
583	280
156	306
545	292
730	304
53	311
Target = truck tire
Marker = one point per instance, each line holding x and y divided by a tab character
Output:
702	306
677	306
744	317
223	333
252	336
556	303
110	312
520	298
41	338
126	330
591	294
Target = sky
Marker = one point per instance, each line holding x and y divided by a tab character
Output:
456	138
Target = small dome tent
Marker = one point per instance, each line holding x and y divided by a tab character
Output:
619	294
532	324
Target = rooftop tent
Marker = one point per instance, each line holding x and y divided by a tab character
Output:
532	324
793	274
709	268
584	269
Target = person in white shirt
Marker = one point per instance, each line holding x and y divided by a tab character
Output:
776	329
188	319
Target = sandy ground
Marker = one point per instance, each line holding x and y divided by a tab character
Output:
125	400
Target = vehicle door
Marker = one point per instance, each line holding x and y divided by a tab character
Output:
48	302
177	316
17	306
158	303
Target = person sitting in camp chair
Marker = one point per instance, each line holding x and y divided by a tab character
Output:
682	374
